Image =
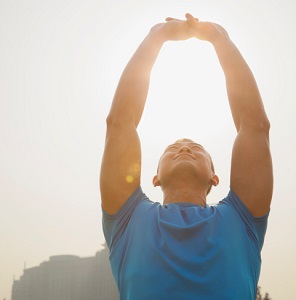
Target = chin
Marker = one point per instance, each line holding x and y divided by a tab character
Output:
186	172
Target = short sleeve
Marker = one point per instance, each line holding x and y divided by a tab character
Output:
114	225
255	226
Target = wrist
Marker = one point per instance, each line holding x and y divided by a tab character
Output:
158	33
220	40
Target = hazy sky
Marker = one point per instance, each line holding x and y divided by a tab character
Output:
60	62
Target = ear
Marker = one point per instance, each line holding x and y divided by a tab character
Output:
215	180
156	181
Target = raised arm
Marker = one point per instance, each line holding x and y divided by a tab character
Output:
121	164
251	167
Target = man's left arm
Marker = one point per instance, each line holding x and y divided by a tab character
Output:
251	166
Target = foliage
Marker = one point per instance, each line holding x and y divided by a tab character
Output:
260	297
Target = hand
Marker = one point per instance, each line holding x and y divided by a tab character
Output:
174	30
177	30
207	31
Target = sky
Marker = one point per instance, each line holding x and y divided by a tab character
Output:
60	62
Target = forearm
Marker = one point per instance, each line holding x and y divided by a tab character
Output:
131	93
243	94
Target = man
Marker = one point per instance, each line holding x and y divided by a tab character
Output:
185	249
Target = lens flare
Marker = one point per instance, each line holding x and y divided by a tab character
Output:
129	178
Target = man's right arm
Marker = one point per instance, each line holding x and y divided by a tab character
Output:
121	163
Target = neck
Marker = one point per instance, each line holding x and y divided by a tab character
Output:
184	194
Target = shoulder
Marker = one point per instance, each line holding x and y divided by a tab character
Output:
128	207
234	201
115	225
255	226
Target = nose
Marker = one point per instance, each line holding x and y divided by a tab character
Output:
185	149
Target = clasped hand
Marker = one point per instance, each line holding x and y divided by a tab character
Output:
177	30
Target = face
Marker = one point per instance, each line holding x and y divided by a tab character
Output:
185	159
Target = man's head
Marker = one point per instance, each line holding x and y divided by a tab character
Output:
188	162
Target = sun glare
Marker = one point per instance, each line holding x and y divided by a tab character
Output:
187	80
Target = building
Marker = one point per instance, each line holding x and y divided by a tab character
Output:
68	277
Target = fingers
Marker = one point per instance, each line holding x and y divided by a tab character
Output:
192	21
188	16
171	19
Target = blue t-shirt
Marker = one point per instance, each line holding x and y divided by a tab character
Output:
182	251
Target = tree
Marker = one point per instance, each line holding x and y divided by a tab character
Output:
266	297
259	296
258	293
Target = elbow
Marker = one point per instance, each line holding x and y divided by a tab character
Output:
261	124
265	125
119	122
109	120
112	122
265	128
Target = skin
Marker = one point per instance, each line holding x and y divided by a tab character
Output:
188	177
185	173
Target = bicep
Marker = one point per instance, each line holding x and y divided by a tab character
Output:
121	167
251	170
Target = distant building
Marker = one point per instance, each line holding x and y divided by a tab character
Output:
68	277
